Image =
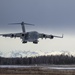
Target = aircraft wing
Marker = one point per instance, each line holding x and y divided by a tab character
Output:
12	35
49	36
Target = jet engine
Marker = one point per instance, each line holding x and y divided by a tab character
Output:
51	36
12	35
44	36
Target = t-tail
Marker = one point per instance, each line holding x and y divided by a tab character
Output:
23	26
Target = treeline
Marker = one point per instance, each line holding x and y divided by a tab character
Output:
51	59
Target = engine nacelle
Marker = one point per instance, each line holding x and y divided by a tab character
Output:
44	36
51	36
23	34
12	35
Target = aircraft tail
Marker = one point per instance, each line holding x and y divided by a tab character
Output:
23	27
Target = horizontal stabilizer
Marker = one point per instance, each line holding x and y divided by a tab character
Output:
22	23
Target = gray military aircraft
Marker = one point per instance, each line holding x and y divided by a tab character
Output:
32	36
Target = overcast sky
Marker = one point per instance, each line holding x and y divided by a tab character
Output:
49	16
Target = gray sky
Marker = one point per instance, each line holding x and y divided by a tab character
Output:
49	16
54	15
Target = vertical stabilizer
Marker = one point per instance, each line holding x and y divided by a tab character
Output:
23	27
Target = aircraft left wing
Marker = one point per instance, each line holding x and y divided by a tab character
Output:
49	36
12	35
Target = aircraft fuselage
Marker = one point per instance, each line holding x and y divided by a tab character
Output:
31	37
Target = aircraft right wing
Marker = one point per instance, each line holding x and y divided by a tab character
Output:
49	36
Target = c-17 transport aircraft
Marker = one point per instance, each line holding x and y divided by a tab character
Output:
32	36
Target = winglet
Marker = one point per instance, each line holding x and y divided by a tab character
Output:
62	35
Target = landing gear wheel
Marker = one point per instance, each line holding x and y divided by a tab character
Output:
35	42
24	42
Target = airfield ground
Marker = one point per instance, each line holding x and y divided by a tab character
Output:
35	71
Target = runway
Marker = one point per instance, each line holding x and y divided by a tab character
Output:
58	67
